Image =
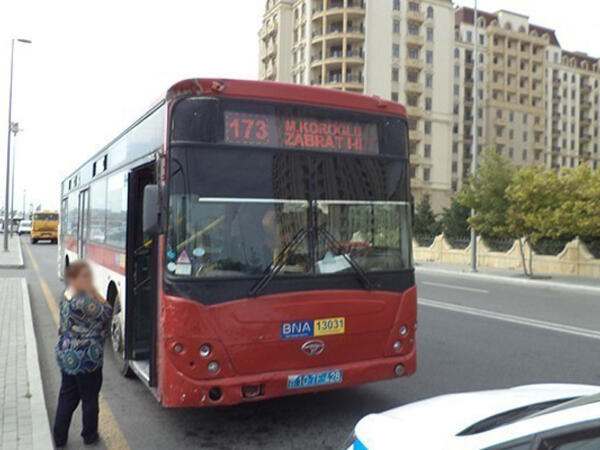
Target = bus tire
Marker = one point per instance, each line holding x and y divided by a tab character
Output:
33	241
118	344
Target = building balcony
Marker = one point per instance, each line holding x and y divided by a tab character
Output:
415	16
585	121
357	31
500	121
555	116
356	7
585	138
555	133
270	72
354	80
556	82
414	63
538	146
414	88
539	127
333	5
586	105
415	135
355	56
556	98
414	112
586	89
416	159
415	40
316	58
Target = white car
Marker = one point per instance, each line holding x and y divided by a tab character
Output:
534	417
24	227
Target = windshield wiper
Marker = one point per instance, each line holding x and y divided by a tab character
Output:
340	249
274	268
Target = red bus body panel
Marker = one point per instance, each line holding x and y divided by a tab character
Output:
245	337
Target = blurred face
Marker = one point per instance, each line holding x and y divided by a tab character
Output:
83	282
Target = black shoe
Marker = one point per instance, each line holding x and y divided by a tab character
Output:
91	440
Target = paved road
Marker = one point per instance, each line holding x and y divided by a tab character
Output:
464	344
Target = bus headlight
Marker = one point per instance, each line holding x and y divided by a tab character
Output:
213	367
205	350
403	331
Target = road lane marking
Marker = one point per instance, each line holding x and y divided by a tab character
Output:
111	432
560	328
453	286
506	279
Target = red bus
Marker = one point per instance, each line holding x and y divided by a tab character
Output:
255	240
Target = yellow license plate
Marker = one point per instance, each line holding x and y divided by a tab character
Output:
332	325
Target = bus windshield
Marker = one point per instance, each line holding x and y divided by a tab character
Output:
45	216
234	213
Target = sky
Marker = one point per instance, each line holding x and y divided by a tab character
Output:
94	67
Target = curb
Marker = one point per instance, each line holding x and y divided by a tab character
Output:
20	264
42	438
518	281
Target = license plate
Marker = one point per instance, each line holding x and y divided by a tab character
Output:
333	325
314	379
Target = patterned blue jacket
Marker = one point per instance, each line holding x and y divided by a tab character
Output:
84	326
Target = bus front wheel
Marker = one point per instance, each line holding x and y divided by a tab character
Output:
118	346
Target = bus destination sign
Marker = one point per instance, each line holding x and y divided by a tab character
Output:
302	133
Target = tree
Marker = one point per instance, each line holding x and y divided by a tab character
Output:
486	194
577	211
534	196
455	220
425	221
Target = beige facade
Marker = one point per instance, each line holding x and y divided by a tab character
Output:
538	104
397	50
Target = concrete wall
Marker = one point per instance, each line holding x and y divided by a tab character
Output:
575	259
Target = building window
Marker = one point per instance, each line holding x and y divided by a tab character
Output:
426	174
412	76
456	53
430	34
429	80
456	89
413	6
395	74
396	27
455	148
429	57
413	29
469	36
430	13
427	150
413	52
428	103
396	5
395	50
394	96
481	39
524	155
427	127
456	71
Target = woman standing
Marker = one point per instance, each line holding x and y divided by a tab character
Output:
84	322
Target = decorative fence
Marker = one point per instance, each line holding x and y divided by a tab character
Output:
574	259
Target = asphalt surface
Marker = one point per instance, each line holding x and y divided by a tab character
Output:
457	351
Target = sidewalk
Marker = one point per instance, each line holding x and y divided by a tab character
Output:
13	258
23	416
588	285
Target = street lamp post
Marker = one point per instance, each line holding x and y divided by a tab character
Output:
15	130
6	196
475	131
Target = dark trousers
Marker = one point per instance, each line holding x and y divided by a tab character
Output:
83	387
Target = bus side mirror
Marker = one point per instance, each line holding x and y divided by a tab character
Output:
150	212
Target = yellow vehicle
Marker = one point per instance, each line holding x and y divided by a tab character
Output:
44	226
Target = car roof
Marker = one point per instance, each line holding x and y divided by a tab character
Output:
435	423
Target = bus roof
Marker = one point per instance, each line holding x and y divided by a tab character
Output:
283	92
264	90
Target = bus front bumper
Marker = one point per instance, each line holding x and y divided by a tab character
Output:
187	392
